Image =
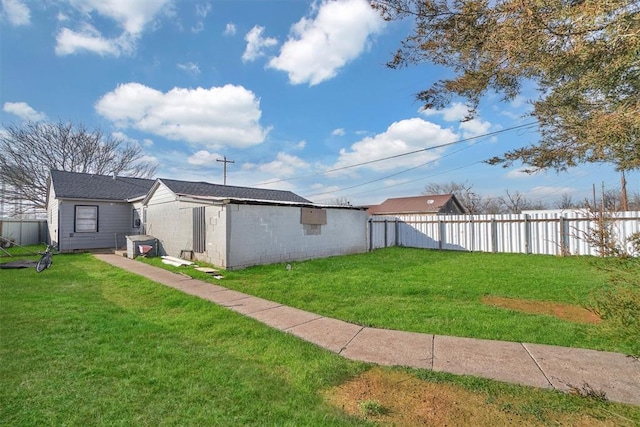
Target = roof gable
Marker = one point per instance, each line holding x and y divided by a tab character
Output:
74	185
414	205
205	190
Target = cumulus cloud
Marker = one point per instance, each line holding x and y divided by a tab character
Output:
399	138
256	44
230	29
203	157
214	117
320	45
338	132
284	165
458	112
24	111
16	12
131	16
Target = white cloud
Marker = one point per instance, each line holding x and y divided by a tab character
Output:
214	117
16	12
89	39
399	138
256	44
474	127
458	112
319	46
230	29
338	132
24	111
300	145
284	165
190	67
454	113
131	16
203	157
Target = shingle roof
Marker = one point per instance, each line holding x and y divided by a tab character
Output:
207	190
73	185
408	205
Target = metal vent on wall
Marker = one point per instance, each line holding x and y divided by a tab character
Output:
199	230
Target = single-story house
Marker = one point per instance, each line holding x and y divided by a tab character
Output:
87	211
228	226
438	204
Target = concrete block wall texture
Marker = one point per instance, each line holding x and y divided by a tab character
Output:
270	234
216	236
171	224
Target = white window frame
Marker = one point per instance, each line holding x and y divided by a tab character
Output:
86	219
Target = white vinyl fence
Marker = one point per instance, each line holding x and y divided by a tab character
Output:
24	231
555	233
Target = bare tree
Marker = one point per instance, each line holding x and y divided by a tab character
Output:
566	202
28	151
469	199
516	202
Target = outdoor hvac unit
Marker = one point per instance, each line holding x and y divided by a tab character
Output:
141	244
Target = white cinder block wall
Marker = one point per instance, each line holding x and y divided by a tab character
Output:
170	221
263	234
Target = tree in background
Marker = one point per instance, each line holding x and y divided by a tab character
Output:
471	201
29	150
581	54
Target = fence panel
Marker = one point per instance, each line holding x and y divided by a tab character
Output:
24	231
549	233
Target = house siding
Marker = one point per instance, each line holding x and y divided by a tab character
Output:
264	234
114	221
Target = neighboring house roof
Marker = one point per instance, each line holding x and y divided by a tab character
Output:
73	185
432	204
205	190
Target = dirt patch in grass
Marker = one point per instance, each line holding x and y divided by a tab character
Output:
569	312
404	400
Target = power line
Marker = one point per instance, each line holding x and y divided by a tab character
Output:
486	135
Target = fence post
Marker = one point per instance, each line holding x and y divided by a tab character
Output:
397	230
441	234
386	232
564	244
370	234
527	234
494	235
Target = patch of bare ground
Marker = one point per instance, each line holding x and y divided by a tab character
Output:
569	312
405	400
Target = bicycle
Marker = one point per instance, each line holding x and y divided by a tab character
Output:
45	260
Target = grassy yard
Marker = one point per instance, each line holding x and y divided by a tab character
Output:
84	343
441	292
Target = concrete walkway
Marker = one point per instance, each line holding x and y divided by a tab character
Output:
535	365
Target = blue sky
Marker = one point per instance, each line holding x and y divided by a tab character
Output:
294	92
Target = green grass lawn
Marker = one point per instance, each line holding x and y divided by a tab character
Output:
84	343
440	292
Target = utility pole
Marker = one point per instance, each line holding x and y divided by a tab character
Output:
225	161
624	201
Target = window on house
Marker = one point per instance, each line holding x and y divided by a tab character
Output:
86	219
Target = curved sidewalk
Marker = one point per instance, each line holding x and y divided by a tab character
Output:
535	365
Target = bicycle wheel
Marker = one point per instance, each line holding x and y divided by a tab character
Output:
43	263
